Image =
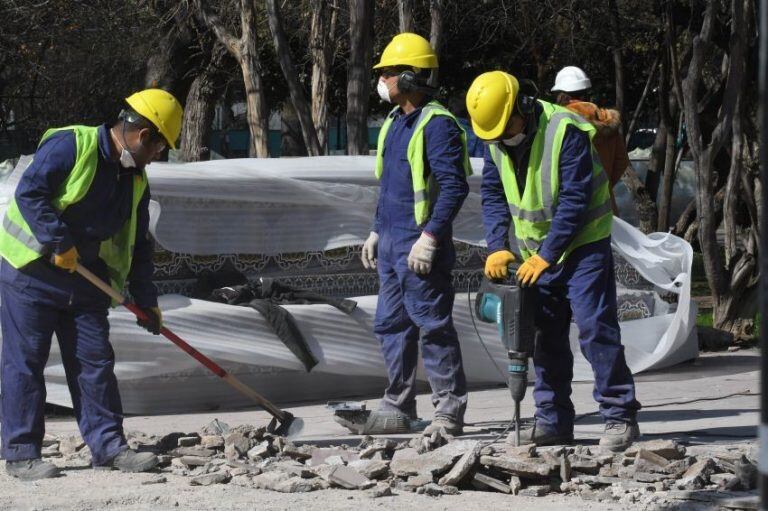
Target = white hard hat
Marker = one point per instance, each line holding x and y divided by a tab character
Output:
571	79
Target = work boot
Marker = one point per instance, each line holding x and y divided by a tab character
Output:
618	436
31	470
541	437
131	461
444	424
379	422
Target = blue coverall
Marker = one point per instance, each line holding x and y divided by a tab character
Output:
40	299
582	287
409	304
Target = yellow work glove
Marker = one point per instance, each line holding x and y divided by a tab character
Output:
496	266
67	260
530	271
154	321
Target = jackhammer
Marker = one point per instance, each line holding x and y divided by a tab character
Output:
512	309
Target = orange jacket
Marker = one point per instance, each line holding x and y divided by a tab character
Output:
608	141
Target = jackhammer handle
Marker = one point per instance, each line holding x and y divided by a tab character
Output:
181	343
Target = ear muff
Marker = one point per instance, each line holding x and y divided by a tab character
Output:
407	81
526	97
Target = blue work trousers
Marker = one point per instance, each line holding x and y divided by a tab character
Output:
413	307
30	315
582	288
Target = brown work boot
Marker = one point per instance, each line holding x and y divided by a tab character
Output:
618	436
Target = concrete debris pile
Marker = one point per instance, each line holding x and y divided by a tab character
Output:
655	472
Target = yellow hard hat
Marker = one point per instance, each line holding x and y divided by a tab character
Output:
161	109
490	99
408	49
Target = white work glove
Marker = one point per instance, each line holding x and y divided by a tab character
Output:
422	254
368	255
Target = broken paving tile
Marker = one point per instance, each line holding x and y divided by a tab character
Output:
215	427
409	462
321	454
482	481
535	491
415	482
70	444
649	461
585	465
193	451
348	478
51	451
431	489
194	461
259	451
372	469
209	479
212	441
725	481
188	441
301	453
515	485
381	490
462	467
697	476
239	442
532	468
668	449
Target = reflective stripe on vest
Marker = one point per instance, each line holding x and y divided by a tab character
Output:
425	189
533	217
20	247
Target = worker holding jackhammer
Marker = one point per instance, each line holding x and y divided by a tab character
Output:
541	173
83	200
422	164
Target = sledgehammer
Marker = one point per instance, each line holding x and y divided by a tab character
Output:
283	423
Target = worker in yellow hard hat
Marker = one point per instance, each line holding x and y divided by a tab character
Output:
422	165
541	174
83	200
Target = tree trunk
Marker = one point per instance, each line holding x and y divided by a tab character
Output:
436	35
245	52
257	112
298	97
291	141
618	65
729	283
321	46
405	12
200	106
361	53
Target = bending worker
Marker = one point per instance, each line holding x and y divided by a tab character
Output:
83	199
423	165
540	173
573	88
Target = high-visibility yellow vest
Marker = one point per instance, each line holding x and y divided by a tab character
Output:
19	246
533	211
424	188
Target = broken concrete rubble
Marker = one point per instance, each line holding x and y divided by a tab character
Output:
641	476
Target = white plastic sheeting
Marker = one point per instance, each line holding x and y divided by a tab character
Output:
305	204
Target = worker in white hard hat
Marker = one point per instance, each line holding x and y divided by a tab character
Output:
573	87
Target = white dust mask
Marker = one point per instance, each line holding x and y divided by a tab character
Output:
383	91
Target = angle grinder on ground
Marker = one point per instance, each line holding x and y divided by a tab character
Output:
512	308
